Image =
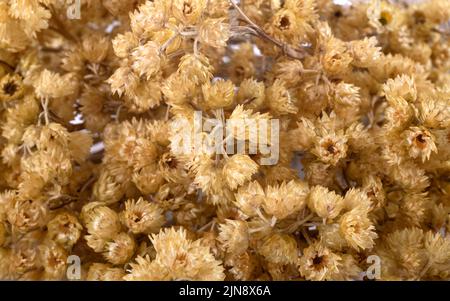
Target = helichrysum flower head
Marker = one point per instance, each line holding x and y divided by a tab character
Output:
239	169
102	222
53	85
104	272
11	87
54	259
219	94
249	198
234	236
26	215
120	249
420	143
403	87
326	204
364	52
177	258
146	59
357	229
331	148
64	229
214	32
280	248
251	94
285	199
142	217
95	48
196	68
280	100
188	11
319	263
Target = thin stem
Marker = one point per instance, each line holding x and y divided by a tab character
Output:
425	269
297	224
168	43
44	104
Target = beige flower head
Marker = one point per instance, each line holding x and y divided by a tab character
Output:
234	236
420	143
326	204
319	263
142	216
239	169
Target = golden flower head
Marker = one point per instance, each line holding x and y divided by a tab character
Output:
420	143
54	259
280	249
331	148
11	87
219	94
285	199
142	217
177	258
357	229
239	169
104	272
234	236
249	198
120	249
102	222
326	204
214	32
188	11
196	68
319	263
64	229
146	59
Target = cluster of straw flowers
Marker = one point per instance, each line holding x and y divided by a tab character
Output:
88	159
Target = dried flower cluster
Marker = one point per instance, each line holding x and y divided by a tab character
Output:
88	167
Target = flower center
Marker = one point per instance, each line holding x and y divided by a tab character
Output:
10	88
285	23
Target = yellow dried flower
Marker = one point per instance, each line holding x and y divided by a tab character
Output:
188	11
279	100
178	258
234	236
420	143
11	87
155	117
53	85
219	94
142	217
319	263
280	249
104	272
357	230
195	68
120	249
326	204
238	169
214	32
102	222
285	199
54	259
64	229
146	60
